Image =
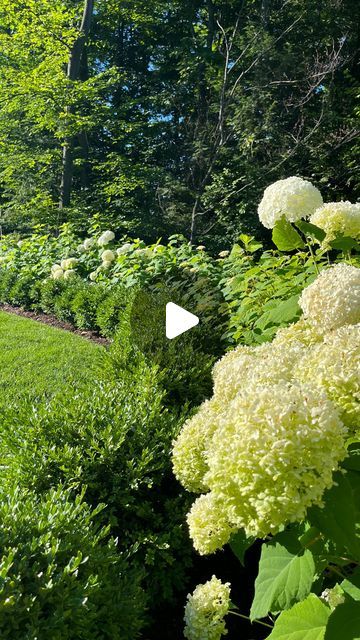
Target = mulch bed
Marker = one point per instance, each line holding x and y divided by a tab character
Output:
44	318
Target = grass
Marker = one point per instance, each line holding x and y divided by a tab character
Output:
37	361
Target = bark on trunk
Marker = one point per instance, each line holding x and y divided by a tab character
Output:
73	73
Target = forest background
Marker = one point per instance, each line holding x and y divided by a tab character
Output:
173	116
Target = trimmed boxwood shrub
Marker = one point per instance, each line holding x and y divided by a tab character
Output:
62	577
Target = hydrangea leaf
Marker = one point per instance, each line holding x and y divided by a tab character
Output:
344	622
306	620
344	243
285	237
286	573
338	519
352	462
239	543
311	230
351	585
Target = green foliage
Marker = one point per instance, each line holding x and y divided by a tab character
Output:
114	438
286	574
307	619
61	575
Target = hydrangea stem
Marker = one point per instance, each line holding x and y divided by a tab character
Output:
240	615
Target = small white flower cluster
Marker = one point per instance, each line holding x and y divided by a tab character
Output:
205	610
293	198
66	269
264	448
105	238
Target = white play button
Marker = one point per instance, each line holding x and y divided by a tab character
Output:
178	320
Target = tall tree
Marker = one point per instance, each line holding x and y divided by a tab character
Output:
73	74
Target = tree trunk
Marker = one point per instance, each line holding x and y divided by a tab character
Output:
73	73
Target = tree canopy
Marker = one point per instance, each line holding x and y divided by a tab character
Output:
173	116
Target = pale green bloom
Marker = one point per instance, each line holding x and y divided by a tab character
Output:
69	263
189	450
205	610
209	526
93	276
57	274
333	299
273	455
334	366
223	254
338	218
69	273
333	597
124	249
88	243
293	198
108	256
105	238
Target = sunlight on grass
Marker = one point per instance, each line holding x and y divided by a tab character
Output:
37	360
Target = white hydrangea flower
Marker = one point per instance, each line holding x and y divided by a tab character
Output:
55	267
93	276
125	248
293	198
106	264
338	218
57	274
273	455
88	243
224	254
268	363
105	238
69	273
334	366
108	256
205	610
69	263
189	449
333	299
209	526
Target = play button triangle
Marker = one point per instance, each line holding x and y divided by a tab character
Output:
178	320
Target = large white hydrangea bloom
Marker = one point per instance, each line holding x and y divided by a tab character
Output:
293	198
338	218
205	610
333	299
273	456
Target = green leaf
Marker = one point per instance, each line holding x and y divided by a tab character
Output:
338	518
311	230
344	243
304	621
351	585
353	461
285	311
239	544
286	573
285	237
344	622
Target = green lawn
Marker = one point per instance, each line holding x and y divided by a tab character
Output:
37	360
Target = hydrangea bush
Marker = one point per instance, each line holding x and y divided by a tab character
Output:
274	453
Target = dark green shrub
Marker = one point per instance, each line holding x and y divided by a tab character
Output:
20	292
50	291
111	310
63	301
61	576
115	438
8	278
85	303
